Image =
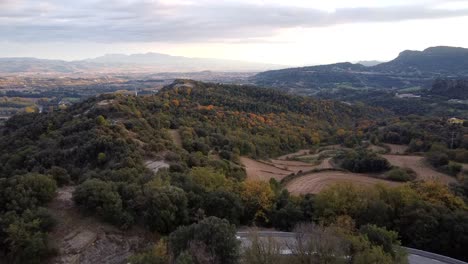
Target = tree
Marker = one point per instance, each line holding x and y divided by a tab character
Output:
165	208
262	251
318	244
103	199
225	205
258	200
208	178
216	234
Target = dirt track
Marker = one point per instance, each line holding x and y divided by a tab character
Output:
397	149
315	182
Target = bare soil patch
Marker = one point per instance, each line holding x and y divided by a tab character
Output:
86	240
315	182
397	149
417	163
176	137
156	165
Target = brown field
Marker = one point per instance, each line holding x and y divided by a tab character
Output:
262	171
423	170
397	149
278	169
315	182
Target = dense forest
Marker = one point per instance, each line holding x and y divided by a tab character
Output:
101	146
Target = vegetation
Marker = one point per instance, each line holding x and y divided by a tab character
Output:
415	211
362	161
101	146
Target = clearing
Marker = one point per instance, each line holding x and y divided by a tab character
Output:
176	137
315	182
417	163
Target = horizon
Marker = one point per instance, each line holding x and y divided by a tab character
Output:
207	58
296	33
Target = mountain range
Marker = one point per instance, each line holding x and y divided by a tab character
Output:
135	63
409	69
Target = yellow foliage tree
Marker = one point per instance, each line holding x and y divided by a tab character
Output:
258	199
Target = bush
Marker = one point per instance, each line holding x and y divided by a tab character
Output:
437	159
60	175
400	175
103	199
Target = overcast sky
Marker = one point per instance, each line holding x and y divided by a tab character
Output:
288	32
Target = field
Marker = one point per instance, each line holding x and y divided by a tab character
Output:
262	171
315	182
423	170
311	171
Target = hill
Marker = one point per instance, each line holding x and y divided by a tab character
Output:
170	163
135	63
409	69
112	150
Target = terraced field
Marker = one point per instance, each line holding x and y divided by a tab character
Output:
315	182
278	169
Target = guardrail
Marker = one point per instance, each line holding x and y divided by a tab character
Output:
434	256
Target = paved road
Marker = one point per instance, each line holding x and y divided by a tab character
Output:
414	256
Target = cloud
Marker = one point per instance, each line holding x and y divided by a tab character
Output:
179	20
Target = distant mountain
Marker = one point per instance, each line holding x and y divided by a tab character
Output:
409	69
148	62
433	61
370	63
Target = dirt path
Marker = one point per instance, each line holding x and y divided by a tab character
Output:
295	154
86	240
417	163
176	137
397	149
315	182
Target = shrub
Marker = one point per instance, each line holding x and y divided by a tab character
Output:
400	175
437	158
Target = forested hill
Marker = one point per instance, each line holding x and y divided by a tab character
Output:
117	130
103	146
409	69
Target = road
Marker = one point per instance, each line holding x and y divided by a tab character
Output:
414	256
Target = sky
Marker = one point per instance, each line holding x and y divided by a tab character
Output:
292	32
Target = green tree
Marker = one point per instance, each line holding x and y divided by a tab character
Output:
165	208
218	235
